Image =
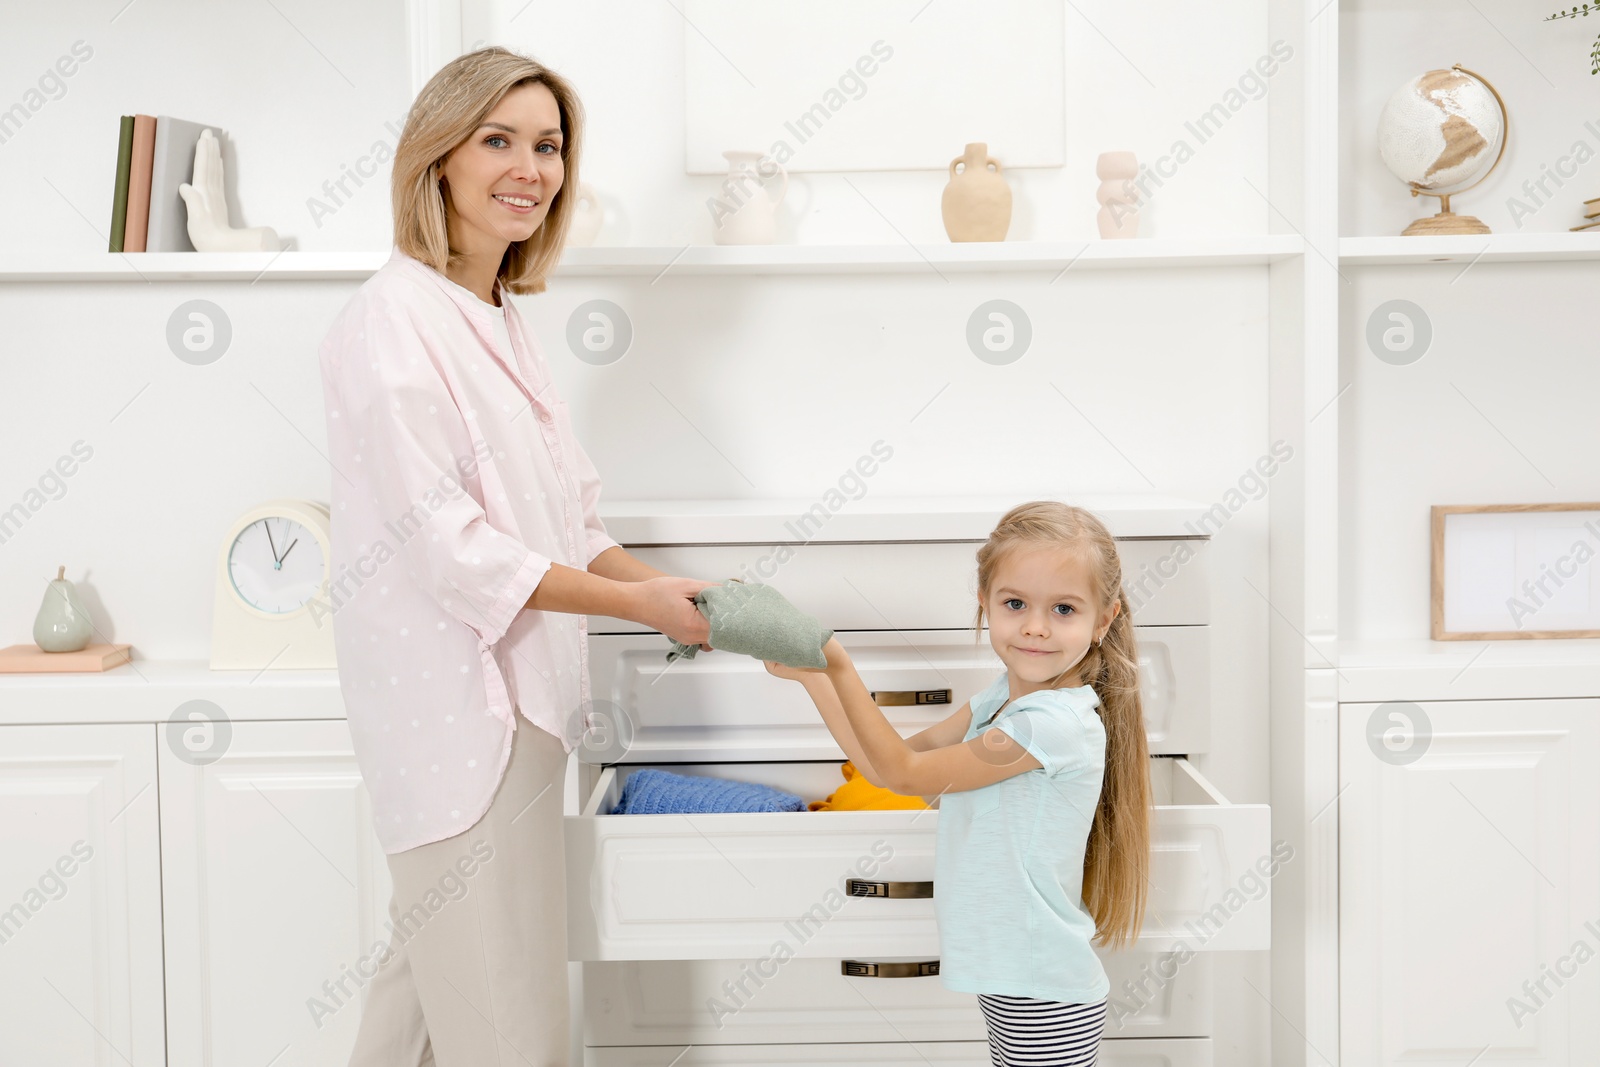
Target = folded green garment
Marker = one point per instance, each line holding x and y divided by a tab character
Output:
756	620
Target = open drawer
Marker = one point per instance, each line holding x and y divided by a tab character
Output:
719	706
759	885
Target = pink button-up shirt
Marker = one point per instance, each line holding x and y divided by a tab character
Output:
457	482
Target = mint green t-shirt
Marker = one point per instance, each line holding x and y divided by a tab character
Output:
1008	865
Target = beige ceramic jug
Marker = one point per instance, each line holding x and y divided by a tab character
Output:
977	200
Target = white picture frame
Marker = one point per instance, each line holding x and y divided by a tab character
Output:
889	85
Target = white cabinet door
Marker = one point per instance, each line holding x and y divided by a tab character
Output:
1469	883
80	896
276	891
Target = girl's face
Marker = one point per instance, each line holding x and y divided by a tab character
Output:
1043	615
515	154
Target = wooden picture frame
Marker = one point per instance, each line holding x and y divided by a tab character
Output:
1512	572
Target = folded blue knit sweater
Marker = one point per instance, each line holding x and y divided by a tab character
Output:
652	792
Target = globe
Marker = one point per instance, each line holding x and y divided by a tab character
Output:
1440	132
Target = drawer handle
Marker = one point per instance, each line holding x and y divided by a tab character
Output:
895	890
895	698
862	969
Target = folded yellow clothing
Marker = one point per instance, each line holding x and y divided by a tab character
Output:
858	794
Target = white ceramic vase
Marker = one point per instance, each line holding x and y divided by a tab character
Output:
746	211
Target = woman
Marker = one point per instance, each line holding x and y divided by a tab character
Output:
467	551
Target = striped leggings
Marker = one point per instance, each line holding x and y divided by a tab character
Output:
1024	1032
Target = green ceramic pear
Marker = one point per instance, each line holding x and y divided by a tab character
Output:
62	624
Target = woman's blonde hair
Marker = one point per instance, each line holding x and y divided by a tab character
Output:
1116	868
450	109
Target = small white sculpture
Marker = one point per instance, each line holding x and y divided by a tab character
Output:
1118	195
209	230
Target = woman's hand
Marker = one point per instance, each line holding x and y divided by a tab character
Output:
667	604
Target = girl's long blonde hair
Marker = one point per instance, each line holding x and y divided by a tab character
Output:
1116	871
450	109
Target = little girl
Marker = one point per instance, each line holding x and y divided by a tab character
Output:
1044	835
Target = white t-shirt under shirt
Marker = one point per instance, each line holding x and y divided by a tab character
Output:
497	315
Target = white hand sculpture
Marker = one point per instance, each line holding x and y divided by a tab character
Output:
208	208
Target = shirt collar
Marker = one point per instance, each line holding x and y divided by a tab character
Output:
482	318
481	314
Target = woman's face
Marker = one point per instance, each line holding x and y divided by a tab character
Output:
501	181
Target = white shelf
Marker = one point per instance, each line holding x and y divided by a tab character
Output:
1052	256
1377	671
187	266
149	691
936	258
1467	248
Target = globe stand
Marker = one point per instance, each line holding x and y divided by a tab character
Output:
1446	221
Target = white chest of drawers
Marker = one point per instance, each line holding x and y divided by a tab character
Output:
760	938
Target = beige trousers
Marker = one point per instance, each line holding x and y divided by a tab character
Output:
477	971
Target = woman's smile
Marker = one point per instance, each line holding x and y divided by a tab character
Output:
522	206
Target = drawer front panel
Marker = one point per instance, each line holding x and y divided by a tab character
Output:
919	585
720	706
735	1002
1176	1052
732	886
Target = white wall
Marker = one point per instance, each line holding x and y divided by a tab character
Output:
1499	410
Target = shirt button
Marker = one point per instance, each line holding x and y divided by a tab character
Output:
544	416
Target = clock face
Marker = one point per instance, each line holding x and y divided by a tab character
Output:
276	565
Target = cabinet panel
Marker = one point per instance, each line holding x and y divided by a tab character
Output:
920	585
1181	1052
702	709
80	896
686	1002
1468	879
276	892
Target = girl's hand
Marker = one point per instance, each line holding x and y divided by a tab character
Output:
837	656
794	674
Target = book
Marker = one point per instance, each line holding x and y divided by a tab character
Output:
119	195
144	146
31	659
172	165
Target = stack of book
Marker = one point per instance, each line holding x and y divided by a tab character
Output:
1591	211
155	155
